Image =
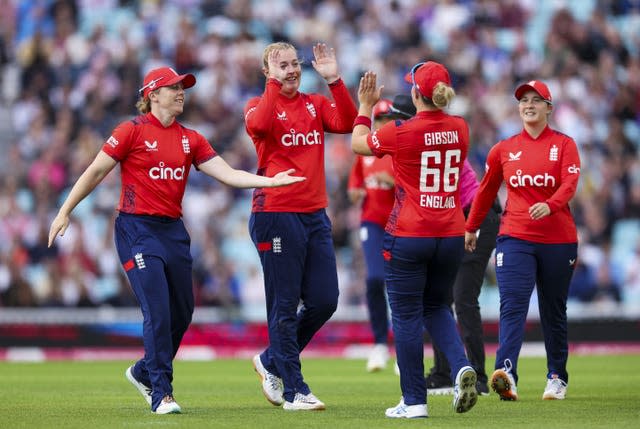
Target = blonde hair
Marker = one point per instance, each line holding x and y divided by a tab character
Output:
277	46
143	105
442	95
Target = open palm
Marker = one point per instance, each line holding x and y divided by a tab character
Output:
325	62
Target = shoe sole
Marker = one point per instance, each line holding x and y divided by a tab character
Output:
501	384
139	386
255	368
468	395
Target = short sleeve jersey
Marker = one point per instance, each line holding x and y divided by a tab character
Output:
428	152
155	163
289	133
379	195
542	169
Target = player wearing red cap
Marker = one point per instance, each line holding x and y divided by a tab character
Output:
423	244
291	229
371	184
537	242
155	153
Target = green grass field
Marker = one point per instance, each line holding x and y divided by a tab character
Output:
603	393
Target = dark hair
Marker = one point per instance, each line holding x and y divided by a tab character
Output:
403	107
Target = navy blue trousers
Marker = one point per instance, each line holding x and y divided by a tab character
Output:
155	254
372	238
419	274
521	266
301	287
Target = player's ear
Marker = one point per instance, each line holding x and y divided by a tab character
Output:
265	72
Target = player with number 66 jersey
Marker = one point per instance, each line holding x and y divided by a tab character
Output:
424	240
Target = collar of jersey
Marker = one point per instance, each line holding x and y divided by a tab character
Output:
156	121
545	133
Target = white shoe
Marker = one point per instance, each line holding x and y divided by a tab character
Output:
402	411
168	406
378	358
503	383
556	388
272	386
144	390
304	402
465	394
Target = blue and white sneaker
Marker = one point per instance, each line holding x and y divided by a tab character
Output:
168	406
144	390
403	411
556	388
302	402
272	386
465	394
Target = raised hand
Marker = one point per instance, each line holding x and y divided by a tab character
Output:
368	91
275	71
325	62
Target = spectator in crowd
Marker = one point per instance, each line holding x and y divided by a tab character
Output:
155	153
423	244
537	246
290	228
371	185
53	54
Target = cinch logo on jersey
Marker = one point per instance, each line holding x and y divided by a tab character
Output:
166	173
527	180
573	169
299	139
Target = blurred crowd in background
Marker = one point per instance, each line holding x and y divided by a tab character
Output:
70	71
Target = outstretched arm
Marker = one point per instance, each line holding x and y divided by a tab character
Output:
92	176
220	170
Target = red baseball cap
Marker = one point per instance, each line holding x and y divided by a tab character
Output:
165	76
534	85
382	108
425	77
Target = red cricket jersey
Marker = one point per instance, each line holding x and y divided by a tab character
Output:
289	133
428	151
379	196
155	163
546	169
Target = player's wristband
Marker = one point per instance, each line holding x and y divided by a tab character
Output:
362	120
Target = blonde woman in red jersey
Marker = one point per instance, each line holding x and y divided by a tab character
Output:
155	153
371	184
424	240
291	229
537	242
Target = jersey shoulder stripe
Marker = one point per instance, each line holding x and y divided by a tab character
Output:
140	120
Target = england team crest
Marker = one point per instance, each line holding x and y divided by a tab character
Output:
311	108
